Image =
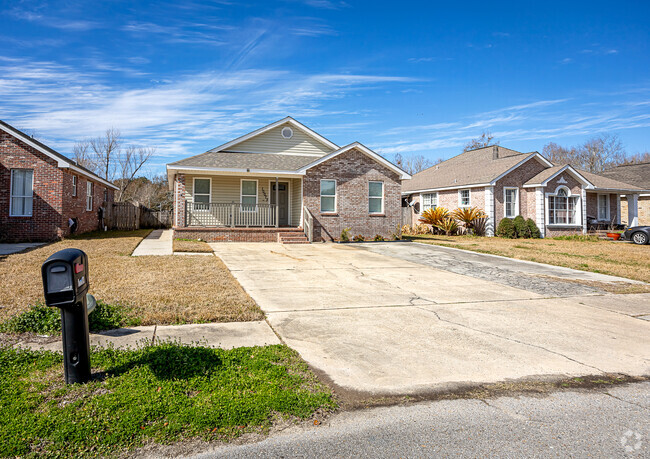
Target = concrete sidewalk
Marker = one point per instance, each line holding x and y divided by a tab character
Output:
159	242
216	335
8	249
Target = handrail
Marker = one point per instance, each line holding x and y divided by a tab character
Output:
308	223
233	214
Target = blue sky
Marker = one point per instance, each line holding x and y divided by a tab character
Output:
409	77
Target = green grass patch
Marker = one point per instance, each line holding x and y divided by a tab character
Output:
44	320
578	237
164	394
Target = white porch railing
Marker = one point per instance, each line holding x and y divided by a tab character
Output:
230	214
308	223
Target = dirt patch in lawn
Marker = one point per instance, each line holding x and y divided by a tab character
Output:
605	257
191	245
151	289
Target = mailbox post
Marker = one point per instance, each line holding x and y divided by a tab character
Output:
65	283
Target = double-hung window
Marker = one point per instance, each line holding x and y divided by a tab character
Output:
562	208
603	207
22	193
429	201
89	195
249	195
376	197
202	193
74	185
463	198
327	196
511	202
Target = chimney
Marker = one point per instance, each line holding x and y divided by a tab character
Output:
495	152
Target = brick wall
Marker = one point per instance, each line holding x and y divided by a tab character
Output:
75	206
53	203
352	171
517	178
179	200
231	234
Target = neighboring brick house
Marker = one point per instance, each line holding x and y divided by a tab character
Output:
285	182
40	190
639	176
506	183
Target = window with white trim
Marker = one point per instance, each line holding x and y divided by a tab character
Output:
603	207
89	195
201	193
249	195
22	193
74	185
463	198
327	196
429	201
511	202
562	208
376	197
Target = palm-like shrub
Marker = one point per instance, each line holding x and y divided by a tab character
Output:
479	225
448	225
467	215
435	216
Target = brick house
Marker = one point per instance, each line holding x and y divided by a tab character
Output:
506	183
40	190
285	182
639	176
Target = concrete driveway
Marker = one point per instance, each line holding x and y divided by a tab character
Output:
387	318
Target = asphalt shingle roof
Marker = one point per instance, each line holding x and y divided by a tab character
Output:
470	168
264	161
634	174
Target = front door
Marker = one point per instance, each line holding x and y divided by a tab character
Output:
283	202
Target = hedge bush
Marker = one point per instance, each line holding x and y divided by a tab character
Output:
533	229
520	227
506	229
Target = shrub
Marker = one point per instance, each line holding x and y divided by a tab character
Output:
449	226
533	229
467	215
345	235
378	238
407	230
479	225
435	216
520	227
506	229
396	236
359	238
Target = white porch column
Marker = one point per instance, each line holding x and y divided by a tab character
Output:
632	210
539	210
583	205
489	210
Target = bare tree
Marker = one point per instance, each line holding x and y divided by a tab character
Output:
412	164
595	155
601	152
82	156
485	140
637	158
106	149
129	162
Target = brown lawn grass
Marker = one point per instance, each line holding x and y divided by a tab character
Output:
607	257
152	289
187	245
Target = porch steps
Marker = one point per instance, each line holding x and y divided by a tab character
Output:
294	237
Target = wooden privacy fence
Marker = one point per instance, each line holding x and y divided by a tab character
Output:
132	216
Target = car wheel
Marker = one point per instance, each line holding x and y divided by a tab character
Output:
640	238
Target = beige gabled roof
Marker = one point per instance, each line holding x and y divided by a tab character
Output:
591	181
606	183
472	168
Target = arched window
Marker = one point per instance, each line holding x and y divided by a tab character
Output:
562	207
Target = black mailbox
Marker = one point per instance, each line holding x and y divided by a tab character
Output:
65	284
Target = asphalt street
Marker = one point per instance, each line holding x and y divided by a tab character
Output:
596	423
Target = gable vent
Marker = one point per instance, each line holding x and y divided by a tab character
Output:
287	133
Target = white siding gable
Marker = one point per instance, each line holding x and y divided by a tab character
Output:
273	142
